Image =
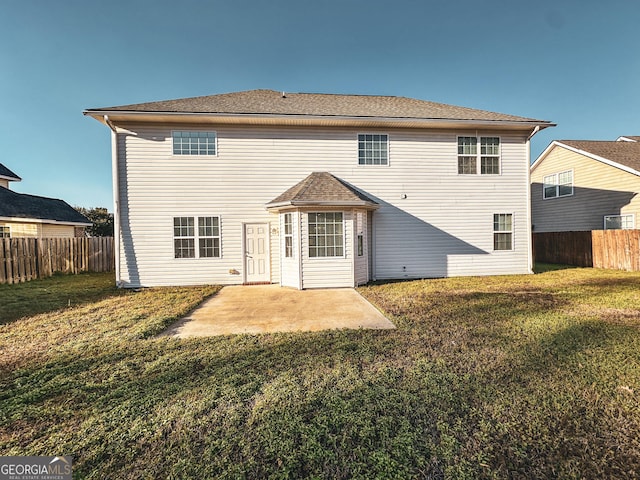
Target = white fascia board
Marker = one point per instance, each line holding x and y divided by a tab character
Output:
299	204
40	220
625	139
598	158
269	118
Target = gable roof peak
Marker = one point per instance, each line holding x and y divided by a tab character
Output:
620	154
7	174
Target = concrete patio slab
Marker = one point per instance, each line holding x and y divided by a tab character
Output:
271	308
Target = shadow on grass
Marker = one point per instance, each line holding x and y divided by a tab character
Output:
471	385
54	293
551	267
288	405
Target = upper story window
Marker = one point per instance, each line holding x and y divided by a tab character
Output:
326	234
5	231
558	185
619	222
186	236
483	161
373	149
194	143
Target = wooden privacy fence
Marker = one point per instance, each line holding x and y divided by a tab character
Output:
615	249
25	259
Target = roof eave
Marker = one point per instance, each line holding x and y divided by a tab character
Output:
299	119
44	220
275	207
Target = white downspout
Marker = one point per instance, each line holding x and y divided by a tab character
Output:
116	198
528	186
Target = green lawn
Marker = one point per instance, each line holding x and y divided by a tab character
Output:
532	376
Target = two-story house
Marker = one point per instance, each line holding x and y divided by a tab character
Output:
581	185
316	190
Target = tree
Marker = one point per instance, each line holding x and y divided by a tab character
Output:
102	221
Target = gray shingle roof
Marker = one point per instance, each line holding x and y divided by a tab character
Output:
624	153
21	205
322	188
271	102
8	174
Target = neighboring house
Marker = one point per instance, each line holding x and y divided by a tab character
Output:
316	190
579	185
23	215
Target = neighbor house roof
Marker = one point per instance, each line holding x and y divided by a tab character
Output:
23	206
8	174
621	154
273	103
629	138
322	189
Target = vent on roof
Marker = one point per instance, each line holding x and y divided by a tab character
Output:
284	95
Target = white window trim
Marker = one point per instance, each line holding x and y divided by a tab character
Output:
344	237
365	165
512	232
479	155
557	185
196	237
633	221
286	235
195	155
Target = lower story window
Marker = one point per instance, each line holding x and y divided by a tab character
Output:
5	231
209	236
326	234
619	222
288	235
186	236
503	231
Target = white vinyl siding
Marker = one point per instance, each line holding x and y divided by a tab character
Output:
438	230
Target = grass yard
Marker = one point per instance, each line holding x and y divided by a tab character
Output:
504	377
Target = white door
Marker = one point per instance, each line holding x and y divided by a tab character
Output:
257	262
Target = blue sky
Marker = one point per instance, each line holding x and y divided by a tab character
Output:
573	62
